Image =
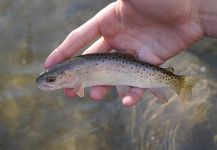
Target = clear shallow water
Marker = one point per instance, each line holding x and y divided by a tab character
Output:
30	119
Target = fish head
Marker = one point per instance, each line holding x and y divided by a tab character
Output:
57	78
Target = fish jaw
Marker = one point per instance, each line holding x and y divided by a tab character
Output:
47	87
53	80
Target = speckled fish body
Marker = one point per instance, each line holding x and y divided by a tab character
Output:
112	69
117	69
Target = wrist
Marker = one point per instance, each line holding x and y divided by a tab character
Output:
208	17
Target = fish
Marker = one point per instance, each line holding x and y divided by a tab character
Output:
116	69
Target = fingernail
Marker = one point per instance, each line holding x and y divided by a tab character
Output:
127	101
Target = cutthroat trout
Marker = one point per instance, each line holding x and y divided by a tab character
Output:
113	69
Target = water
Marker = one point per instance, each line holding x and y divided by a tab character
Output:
30	119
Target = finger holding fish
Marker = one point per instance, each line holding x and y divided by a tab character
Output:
97	93
70	93
74	42
132	97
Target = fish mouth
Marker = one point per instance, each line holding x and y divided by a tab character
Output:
46	87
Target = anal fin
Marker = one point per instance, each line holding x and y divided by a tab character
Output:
160	93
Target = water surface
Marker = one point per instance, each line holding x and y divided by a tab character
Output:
30	119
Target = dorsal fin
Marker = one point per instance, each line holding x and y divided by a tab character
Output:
170	69
129	53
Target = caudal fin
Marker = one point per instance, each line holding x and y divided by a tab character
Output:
184	89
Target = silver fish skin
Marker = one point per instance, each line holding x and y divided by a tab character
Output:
113	69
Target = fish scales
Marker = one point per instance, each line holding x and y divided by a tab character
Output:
121	69
113	69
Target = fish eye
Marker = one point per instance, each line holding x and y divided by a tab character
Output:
50	79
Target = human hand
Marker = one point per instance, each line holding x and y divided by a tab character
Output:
156	30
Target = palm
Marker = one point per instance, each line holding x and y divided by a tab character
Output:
159	36
156	30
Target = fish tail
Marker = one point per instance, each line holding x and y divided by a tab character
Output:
184	89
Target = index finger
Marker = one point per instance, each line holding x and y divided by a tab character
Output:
75	41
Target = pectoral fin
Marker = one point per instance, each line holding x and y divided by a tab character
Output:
79	90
